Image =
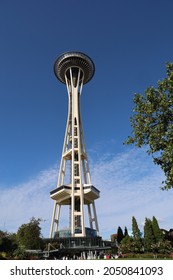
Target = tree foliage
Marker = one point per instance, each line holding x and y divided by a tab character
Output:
125	232
158	235
8	242
120	235
152	124
132	244
137	240
153	241
149	238
127	244
29	235
135	229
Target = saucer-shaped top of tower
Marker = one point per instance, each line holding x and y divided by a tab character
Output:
74	60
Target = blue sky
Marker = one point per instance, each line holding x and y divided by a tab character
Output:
130	42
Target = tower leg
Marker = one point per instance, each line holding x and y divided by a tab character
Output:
90	216
55	219
93	219
95	216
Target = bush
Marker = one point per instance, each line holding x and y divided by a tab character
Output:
3	256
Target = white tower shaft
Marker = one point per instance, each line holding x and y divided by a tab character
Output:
78	190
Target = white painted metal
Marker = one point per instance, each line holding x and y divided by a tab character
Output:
74	165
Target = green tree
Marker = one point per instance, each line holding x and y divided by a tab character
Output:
156	230
8	242
152	124
29	235
120	235
135	229
136	236
164	247
127	244
149	239
125	232
20	253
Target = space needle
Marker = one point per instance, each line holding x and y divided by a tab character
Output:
74	187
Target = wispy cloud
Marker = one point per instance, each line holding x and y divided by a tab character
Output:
129	183
29	199
130	186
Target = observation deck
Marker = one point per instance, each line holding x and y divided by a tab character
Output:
74	60
63	194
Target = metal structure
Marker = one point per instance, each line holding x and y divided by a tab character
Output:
74	188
